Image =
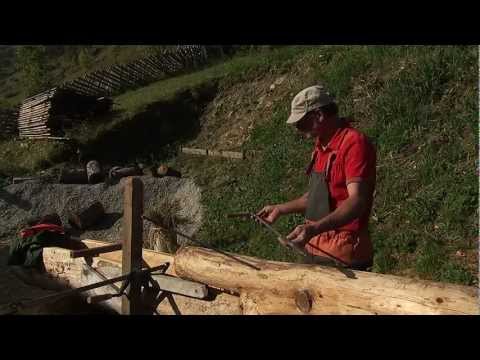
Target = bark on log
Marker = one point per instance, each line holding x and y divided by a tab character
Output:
87	217
333	291
94	172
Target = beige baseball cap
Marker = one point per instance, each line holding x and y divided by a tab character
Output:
307	100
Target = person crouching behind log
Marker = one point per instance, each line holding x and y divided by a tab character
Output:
342	175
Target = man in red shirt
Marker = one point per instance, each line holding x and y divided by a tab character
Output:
342	175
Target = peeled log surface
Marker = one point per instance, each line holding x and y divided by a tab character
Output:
275	286
88	216
71	271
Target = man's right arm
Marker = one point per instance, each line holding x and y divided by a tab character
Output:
272	212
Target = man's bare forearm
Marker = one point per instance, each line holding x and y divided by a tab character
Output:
351	208
298	205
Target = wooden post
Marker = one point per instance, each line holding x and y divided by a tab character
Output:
132	241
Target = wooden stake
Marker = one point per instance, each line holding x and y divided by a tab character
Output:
132	242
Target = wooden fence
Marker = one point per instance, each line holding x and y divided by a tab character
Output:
44	116
121	77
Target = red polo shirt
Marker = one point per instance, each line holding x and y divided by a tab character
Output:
355	161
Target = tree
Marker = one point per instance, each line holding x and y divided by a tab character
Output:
31	63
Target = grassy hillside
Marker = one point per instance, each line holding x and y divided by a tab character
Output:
61	63
417	103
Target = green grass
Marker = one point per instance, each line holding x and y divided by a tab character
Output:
417	103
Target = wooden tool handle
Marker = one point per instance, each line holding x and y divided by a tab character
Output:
92	252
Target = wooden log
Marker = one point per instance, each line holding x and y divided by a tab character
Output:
94	83
141	76
17	180
133	72
118	172
81	85
84	84
334	289
43	133
132	243
35	104
33	124
60	138
77	89
39	132
214	153
87	216
34	111
95	251
113	75
73	176
34	117
115	78
42	120
45	93
94	172
164	170
38	135
233	154
150	68
33	127
33	137
145	70
103	77
193	151
34	131
127	73
123	75
151	60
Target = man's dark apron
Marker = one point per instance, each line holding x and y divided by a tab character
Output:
318	203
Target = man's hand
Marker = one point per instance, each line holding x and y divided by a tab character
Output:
270	213
302	234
